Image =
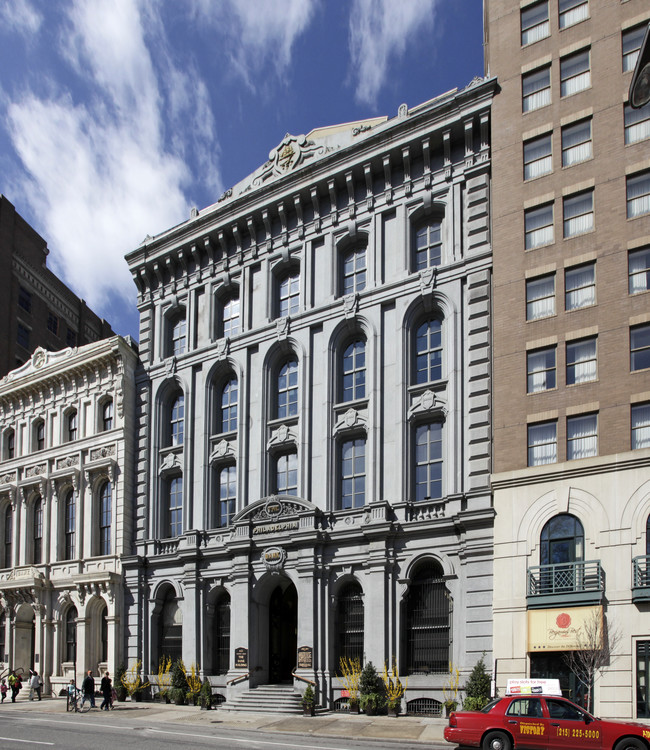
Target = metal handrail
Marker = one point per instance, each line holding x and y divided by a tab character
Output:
304	679
237	679
559	578
641	571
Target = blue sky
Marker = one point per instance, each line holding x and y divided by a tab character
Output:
118	116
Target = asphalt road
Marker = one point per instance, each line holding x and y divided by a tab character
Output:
111	731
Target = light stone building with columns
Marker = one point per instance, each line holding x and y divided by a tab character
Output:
314	409
66	471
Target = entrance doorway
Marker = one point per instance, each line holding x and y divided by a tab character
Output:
283	628
24	639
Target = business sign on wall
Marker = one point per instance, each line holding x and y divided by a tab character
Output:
566	629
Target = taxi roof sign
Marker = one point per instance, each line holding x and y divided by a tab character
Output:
533	687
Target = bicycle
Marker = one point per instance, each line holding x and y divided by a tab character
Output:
78	702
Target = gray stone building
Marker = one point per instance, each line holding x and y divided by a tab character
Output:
67	433
314	409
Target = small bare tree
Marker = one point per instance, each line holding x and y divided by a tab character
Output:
595	648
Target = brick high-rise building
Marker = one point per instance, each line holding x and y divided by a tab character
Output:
36	307
571	348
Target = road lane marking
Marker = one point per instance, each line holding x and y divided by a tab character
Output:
29	742
250	742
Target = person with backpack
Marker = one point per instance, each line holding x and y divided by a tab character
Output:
88	688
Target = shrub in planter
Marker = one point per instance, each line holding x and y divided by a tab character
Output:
370	695
205	696
119	688
477	689
179	683
308	701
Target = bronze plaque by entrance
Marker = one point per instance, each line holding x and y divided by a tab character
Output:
305	658
241	658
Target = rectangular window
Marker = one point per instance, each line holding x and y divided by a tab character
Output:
581	437
575	74
230	316
642	677
286	474
428	461
71	337
576	143
639	347
175	516
289	295
542	443
637	124
638	195
540	365
25	299
353	473
640	422
22	336
540	297
572	12
639	270
580	286
631	40
538	159
534	23
536	89
227	495
578	214
538	226
52	323
581	361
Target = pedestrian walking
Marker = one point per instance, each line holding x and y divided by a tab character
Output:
88	688
106	688
34	686
3	690
15	683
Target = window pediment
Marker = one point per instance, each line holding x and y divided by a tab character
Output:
170	463
428	403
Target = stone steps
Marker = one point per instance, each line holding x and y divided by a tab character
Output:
276	699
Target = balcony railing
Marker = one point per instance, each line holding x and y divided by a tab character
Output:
641	578
565	583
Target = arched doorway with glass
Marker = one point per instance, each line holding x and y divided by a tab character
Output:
167	627
217	633
562	544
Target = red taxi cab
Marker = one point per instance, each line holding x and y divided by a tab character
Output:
539	721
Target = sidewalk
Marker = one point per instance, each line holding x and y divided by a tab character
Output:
400	729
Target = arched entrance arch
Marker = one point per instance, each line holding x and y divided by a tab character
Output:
275	647
24	638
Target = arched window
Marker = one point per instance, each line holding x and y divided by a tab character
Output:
174	516
562	540
353	270
70	526
286	474
353	371
428	351
107	415
39	435
38	531
287	390
228	411
105	518
229	316
170	632
427	244
177	334
225	509
9	444
177	420
289	293
71	635
428	461
428	622
353	473
9	537
71	422
104	635
349	624
221	626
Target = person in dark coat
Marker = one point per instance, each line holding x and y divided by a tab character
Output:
106	688
88	688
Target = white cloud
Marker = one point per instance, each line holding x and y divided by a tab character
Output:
258	35
380	31
20	16
108	166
